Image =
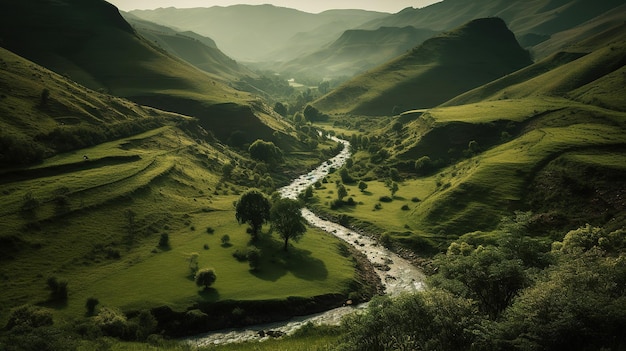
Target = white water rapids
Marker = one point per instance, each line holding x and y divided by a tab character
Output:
396	273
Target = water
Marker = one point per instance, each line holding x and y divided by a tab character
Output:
396	273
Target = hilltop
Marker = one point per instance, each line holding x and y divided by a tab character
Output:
439	69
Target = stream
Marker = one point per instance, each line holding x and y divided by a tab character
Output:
396	273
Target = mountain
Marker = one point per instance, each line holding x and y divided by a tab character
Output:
263	32
532	21
358	50
90	42
439	69
194	48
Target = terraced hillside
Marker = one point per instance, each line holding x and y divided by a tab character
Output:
113	198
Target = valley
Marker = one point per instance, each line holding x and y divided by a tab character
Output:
437	179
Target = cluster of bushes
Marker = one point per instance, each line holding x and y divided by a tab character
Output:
519	293
16	150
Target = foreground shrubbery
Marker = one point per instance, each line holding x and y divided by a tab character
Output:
570	297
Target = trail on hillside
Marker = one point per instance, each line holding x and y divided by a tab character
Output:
397	274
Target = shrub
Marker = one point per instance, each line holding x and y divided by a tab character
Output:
90	305
210	230
254	258
164	240
385	239
112	322
58	289
385	199
240	255
405	207
415	199
29	316
225	240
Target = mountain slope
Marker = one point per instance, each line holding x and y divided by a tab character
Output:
267	30
89	41
358	50
532	21
199	51
439	69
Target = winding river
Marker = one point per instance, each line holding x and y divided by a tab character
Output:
396	273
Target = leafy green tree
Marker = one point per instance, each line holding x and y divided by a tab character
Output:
193	262
484	274
423	165
90	305
253	208
362	186
287	219
265	151
205	277
346	178
392	186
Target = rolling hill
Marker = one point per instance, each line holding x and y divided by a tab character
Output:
439	69
91	43
358	50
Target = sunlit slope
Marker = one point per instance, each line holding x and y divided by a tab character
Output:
437	70
199	51
43	113
358	50
593	78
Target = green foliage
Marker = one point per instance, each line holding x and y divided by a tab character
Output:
253	208
346	178
287	219
265	151
254	258
28	316
112	322
341	192
280	109
193	263
16	150
205	277
423	165
225	239
362	186
431	320
484	274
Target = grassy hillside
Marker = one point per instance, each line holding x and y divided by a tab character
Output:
115	178
358	50
91	43
548	138
437	70
200	51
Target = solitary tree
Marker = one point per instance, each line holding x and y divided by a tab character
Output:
287	220
253	208
205	277
362	186
265	151
341	192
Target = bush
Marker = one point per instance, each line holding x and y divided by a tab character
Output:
90	305
29	316
58	289
112	322
225	240
385	199
254	258
164	240
210	230
240	255
405	208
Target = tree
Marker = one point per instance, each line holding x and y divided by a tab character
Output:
362	186
90	305
265	151
205	277
287	219
341	192
392	186
193	262
253	208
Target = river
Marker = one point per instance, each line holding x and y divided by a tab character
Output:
396	273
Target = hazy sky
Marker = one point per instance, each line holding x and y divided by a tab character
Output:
313	6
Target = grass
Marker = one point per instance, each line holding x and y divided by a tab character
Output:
175	187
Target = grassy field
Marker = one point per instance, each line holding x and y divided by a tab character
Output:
174	186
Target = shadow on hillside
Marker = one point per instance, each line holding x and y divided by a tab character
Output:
209	295
276	263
